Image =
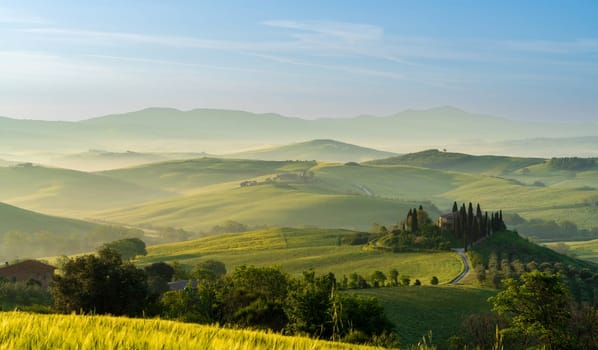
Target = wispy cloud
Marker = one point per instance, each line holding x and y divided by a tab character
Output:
8	16
346	32
177	41
557	47
340	68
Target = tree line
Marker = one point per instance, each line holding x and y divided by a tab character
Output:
247	297
471	226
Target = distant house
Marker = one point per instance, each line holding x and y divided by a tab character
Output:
447	221
182	284
28	271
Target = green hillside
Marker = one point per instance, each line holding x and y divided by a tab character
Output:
27	234
510	245
98	160
435	159
21	220
68	192
268	204
185	175
586	250
322	150
440	309
297	250
211	195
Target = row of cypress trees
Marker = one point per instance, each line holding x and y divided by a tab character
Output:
471	226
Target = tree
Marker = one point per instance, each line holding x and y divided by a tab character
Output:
158	276
394	276
434	280
537	309
100	284
255	296
310	304
378	278
209	269
128	248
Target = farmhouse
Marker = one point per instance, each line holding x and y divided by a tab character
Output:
447	221
27	271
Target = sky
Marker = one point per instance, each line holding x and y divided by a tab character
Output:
525	60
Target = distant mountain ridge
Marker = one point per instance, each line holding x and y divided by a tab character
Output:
218	131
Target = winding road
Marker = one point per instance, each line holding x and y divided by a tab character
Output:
466	266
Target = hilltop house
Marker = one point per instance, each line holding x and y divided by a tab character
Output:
447	221
28	271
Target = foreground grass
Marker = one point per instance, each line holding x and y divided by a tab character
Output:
440	309
296	250
29	331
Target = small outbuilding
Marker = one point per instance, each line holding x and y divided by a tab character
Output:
28	271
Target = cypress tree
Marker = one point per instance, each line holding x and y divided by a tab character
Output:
414	223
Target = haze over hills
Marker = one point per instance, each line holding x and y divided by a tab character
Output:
322	150
220	131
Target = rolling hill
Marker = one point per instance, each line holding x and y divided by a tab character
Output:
21	220
297	250
68	192
98	160
460	162
322	150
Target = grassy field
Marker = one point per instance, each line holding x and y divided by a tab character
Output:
68	192
296	250
440	309
201	193
586	250
30	331
186	175
271	204
17	219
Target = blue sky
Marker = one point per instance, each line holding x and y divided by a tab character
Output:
528	60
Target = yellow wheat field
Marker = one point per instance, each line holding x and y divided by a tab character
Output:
20	330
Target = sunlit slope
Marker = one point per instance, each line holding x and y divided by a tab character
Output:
296	250
397	182
20	220
322	150
434	159
67	192
586	250
267	204
185	175
548	203
34	331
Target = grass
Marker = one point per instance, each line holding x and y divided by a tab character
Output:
183	175
272	204
68	192
434	159
29	331
297	250
201	193
511	245
17	219
440	309
586	250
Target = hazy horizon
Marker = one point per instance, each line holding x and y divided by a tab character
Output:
70	60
